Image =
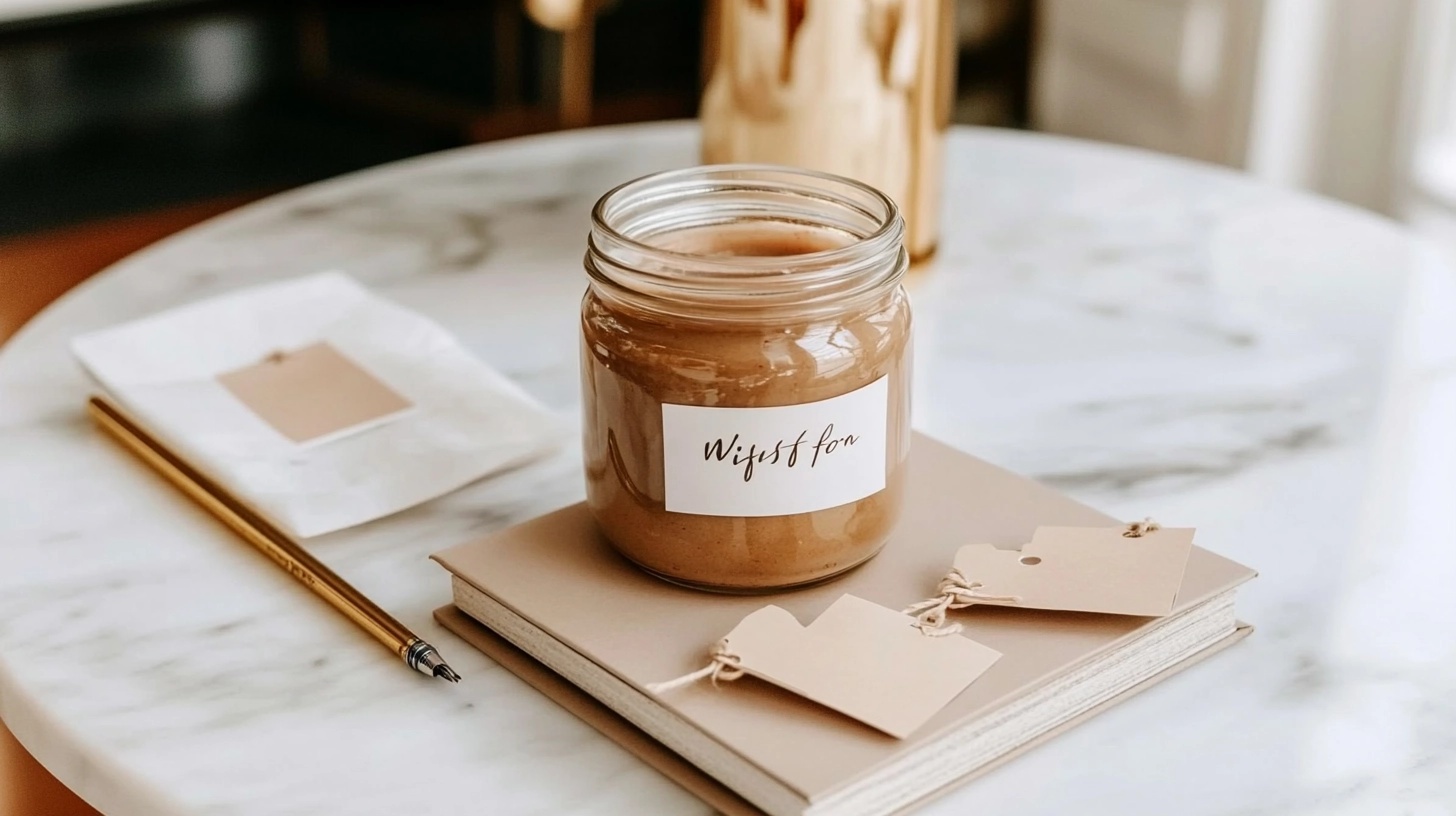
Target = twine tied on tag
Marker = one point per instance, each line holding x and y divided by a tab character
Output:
723	665
953	592
1138	529
275	356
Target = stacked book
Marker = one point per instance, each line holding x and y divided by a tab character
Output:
554	603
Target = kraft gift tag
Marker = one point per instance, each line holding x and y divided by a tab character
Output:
1083	569
857	658
313	393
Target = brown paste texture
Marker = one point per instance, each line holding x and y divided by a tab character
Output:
634	360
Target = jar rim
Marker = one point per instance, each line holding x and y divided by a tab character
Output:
622	256
890	222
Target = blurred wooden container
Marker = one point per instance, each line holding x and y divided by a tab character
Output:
862	88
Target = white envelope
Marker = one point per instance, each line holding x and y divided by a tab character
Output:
465	419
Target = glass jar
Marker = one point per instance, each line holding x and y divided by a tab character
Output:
746	374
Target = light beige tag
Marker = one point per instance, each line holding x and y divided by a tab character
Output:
313	393
860	659
1083	569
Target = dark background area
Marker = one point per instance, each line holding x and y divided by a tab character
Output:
160	104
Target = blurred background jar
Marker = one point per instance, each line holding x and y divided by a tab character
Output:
861	88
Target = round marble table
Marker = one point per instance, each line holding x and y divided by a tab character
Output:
1153	336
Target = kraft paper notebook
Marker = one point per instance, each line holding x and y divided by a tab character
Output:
554	590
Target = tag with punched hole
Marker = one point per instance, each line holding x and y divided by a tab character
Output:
857	658
1083	569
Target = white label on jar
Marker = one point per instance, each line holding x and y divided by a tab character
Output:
775	461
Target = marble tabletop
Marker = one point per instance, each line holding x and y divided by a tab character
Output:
1153	336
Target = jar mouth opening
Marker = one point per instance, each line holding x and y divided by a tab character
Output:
624	214
669	238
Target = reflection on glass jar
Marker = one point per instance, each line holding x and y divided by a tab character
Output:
746	374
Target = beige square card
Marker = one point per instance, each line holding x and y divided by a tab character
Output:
313	393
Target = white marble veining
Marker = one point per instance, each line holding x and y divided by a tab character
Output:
1153	336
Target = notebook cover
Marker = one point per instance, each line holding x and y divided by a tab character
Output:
692	779
557	572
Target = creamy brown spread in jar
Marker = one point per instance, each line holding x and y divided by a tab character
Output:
746	375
